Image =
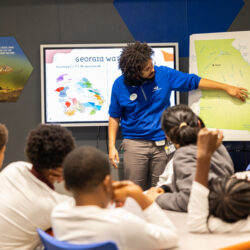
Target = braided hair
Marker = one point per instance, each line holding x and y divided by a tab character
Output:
133	60
181	125
229	199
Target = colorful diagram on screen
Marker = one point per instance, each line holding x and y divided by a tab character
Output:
78	97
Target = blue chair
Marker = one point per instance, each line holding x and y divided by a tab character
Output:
248	167
51	243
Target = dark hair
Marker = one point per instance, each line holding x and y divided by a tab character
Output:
85	168
229	199
47	146
3	136
133	60
180	124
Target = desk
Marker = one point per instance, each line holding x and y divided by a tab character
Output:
191	241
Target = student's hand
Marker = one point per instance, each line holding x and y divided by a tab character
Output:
208	142
122	189
113	157
154	192
238	92
56	175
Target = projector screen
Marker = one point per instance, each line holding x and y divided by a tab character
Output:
77	79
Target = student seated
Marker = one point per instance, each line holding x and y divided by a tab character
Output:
223	205
26	189
3	142
181	127
88	218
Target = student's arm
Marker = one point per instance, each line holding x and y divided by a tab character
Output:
124	189
176	201
207	143
113	129
237	92
184	169
155	232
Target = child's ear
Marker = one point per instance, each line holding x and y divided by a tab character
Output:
107	183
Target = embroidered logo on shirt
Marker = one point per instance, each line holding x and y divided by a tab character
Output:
133	97
156	88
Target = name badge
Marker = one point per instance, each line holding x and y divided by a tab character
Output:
160	143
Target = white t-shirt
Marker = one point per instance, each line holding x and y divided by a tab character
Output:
25	205
89	224
198	210
166	177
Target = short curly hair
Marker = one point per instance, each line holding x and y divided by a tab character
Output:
3	136
133	60
48	145
85	168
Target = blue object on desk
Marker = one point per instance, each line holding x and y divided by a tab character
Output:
51	243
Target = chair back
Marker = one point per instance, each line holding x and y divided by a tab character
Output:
51	243
248	167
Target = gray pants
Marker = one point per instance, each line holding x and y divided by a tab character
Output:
143	162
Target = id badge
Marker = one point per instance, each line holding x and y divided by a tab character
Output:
170	148
160	143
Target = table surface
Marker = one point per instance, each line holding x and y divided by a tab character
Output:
191	241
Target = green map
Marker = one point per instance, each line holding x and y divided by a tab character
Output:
219	60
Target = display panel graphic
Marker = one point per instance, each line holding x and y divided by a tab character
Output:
77	80
15	69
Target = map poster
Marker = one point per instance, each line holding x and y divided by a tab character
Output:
223	57
15	69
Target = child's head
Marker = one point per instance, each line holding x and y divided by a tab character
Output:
180	124
3	142
229	199
84	169
47	146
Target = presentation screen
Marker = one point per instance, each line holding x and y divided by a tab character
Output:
76	80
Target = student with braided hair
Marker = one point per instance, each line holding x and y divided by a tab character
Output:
182	126
223	204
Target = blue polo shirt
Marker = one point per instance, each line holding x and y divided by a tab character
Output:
140	107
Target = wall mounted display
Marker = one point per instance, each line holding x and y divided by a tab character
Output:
223	57
15	69
76	80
